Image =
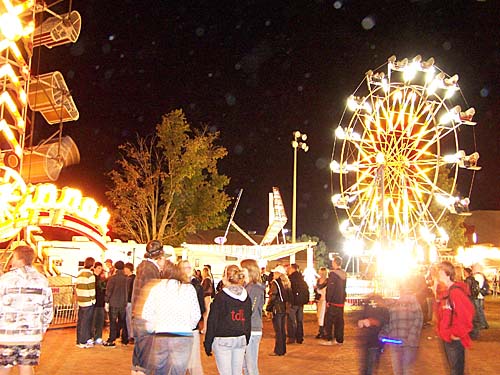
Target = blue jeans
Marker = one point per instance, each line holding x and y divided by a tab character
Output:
295	323
403	358
229	354
479	305
98	322
84	324
251	364
128	318
455	354
170	355
143	342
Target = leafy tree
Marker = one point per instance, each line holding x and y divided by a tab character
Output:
452	224
167	185
321	258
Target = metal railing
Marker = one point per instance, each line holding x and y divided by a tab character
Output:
65	306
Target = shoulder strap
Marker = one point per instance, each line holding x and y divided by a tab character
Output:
279	291
452	304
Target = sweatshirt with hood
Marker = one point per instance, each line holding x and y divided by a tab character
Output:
256	293
455	312
230	315
335	288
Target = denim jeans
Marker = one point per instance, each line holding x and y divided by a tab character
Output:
170	355
84	324
251	364
455	354
128	318
403	358
479	305
97	322
143	342
279	330
295	323
334	320
117	324
229	354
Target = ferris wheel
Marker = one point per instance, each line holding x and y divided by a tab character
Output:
399	134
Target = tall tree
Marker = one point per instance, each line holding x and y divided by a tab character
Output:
167	185
452	224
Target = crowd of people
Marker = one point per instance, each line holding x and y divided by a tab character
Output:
226	319
169	312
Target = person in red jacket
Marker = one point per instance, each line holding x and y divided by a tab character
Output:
454	312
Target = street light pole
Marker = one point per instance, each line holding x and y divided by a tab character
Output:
298	142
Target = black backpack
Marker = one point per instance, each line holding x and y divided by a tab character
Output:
485	289
302	295
474	287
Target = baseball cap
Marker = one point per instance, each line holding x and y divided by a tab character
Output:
279	269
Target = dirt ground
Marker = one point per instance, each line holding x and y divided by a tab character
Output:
60	356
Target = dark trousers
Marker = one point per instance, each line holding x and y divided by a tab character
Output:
84	324
370	360
334	320
98	322
455	354
117	324
279	330
295	323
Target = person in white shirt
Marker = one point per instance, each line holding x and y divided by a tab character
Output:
171	312
479	302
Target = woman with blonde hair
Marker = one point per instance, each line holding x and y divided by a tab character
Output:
280	293
256	291
171	312
229	323
320	292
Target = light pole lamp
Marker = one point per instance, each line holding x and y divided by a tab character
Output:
298	142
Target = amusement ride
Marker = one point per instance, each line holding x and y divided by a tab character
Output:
405	127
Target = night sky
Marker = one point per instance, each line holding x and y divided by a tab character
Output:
256	71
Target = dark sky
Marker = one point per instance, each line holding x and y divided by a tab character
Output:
258	70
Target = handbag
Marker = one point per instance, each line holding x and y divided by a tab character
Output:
279	306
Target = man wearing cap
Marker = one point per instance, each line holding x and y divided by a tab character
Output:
147	272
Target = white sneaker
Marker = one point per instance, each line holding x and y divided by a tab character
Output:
326	343
98	341
84	346
90	343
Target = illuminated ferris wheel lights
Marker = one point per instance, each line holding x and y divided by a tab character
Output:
349	135
454	158
411	71
355	103
452	115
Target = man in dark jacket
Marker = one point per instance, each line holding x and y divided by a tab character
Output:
116	303
148	271
335	299
295	316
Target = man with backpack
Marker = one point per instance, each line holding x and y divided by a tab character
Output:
454	312
484	291
474	289
295	317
